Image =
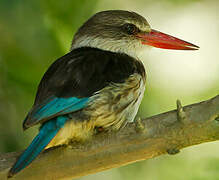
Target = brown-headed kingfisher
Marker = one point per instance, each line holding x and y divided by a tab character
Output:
99	84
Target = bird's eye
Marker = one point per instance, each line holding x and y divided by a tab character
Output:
130	29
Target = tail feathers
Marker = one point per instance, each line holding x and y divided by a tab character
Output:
46	134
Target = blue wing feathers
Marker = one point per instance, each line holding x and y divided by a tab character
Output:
48	110
77	106
46	134
56	107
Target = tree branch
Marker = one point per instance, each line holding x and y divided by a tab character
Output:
160	134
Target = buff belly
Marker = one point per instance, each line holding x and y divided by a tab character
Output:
110	108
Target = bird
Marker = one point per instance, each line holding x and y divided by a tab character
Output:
97	86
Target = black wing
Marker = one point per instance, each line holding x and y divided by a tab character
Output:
80	74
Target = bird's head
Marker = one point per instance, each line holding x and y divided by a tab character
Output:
124	32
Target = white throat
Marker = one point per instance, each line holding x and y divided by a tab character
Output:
117	46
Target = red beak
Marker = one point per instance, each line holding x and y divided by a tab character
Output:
165	41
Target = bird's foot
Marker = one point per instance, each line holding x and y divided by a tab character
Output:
70	146
139	126
181	115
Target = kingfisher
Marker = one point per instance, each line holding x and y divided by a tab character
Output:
98	85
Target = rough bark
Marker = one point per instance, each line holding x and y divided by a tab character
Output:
164	133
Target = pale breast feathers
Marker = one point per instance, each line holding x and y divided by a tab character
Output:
118	103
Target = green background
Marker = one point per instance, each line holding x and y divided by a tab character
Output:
35	33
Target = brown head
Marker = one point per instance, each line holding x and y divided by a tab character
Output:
124	32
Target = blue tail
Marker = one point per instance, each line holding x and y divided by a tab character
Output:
46	134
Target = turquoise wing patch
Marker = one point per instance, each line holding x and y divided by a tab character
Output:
55	107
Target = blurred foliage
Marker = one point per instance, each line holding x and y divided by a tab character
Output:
173	2
35	33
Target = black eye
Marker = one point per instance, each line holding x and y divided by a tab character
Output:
130	29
